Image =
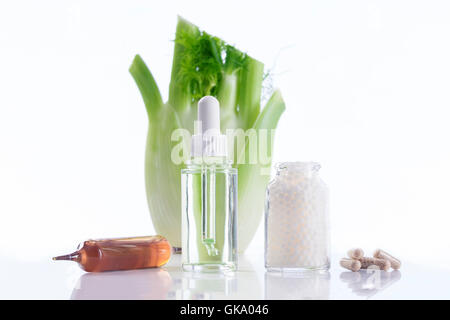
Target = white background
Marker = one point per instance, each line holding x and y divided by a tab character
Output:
366	85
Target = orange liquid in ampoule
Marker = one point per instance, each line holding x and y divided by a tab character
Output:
121	253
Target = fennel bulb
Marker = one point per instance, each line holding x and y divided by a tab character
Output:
204	65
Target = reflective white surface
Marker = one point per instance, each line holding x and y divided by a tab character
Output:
64	280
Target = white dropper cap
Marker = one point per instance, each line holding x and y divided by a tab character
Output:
207	140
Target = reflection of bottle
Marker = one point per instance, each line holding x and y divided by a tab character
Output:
121	254
209	197
149	284
313	285
203	286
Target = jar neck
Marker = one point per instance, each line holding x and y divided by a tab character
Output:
306	169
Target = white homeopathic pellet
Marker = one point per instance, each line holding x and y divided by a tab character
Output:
297	226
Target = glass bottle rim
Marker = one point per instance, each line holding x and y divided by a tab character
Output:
299	166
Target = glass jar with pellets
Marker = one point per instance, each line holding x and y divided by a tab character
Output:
297	236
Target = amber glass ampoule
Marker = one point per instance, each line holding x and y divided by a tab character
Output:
121	253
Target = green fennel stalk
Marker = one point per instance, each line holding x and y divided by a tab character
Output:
204	65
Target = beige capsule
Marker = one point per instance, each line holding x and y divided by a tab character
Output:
350	264
380	254
366	262
355	253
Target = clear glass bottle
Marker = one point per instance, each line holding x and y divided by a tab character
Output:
209	197
297	233
209	202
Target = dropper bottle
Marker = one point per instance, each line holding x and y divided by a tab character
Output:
209	197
